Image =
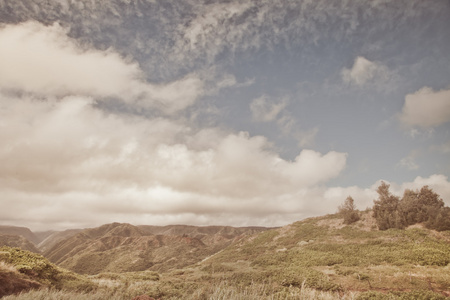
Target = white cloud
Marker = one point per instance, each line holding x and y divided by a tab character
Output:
42	60
364	71
426	108
265	109
65	163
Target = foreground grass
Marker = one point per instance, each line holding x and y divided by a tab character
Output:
221	292
327	257
225	291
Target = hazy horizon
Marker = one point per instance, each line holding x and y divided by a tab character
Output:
259	113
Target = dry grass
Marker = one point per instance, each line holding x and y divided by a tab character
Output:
5	267
223	291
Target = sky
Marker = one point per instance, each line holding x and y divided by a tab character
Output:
241	113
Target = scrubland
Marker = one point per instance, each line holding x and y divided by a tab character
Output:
318	258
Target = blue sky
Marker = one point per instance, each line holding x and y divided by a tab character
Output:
218	112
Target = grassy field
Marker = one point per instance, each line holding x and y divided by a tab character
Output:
318	258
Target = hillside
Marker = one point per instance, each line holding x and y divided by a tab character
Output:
317	258
324	254
55	237
21	270
19	231
19	242
123	247
209	235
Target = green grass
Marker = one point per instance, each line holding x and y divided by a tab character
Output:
340	258
38	268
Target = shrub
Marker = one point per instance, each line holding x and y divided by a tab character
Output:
30	263
348	211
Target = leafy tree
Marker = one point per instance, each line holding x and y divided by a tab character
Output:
409	207
386	209
439	220
424	206
420	206
348	210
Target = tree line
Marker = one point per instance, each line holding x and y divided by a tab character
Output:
390	211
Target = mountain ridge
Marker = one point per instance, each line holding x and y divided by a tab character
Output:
120	247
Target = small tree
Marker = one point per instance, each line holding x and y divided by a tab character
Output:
385	209
348	210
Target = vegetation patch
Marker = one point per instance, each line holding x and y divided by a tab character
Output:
39	269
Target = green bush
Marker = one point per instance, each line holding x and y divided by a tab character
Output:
299	277
30	263
40	269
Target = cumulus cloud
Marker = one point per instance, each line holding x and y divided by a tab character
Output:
426	108
43	60
65	163
364	71
265	109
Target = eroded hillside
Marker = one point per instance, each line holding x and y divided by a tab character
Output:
123	247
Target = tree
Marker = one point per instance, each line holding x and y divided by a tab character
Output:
424	206
409	207
420	206
440	220
385	209
348	210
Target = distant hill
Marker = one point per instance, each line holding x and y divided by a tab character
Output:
22	231
209	235
121	247
54	237
18	241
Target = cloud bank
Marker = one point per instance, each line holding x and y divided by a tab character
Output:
116	114
76	162
43	61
